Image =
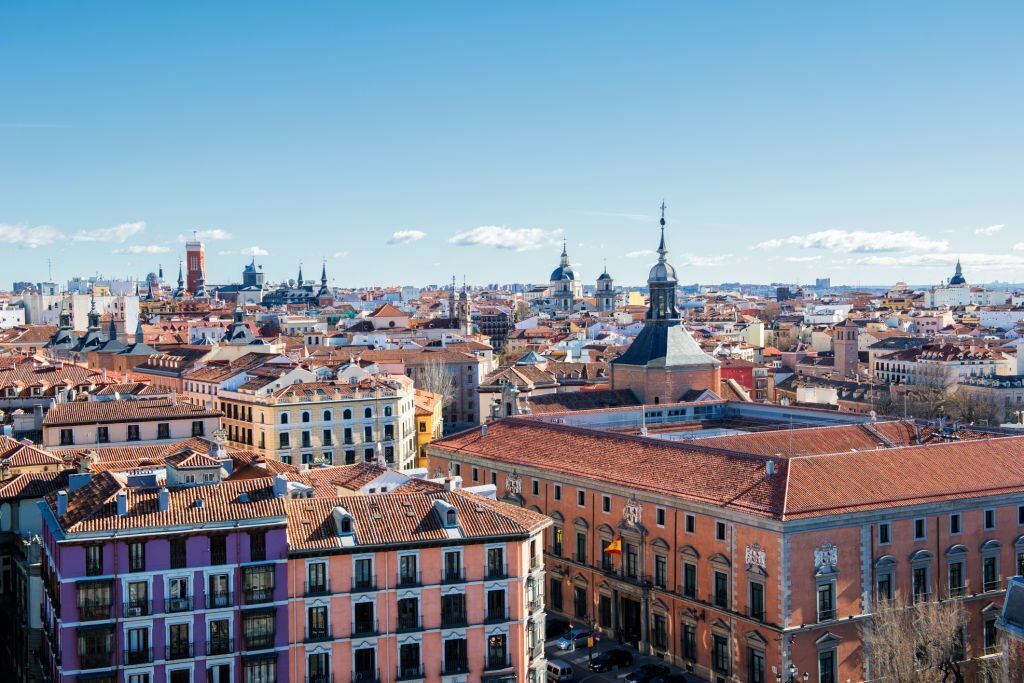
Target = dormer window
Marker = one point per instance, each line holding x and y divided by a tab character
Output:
451	519
345	525
342	521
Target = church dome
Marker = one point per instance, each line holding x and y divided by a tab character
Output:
604	276
563	273
958	277
662	272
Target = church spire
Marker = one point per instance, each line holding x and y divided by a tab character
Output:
94	317
662	283
298	283
565	253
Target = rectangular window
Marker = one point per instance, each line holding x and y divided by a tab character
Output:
163	430
956	579
721	597
198	428
179	644
133	433
691	523
497	652
475	473
558	492
990	636
259	628
556	594
103	434
179	557
604	611
316	578
920	587
659	636
884	533
257	546
581	498
579	602
409	665
1020	514
690	580
284	440
218	549
218	593
67	437
990	573
535	487
689	642
826	602
660	571
456	656
632	561
408	614
178	598
884	586
920	530
827	666
720	531
659	516
755	665
93	560
496	605
362	574
990	520
496	563
136	557
453	609
258	583
954	523
556	541
720	653
606	504
316	623
757	600
408	571
581	548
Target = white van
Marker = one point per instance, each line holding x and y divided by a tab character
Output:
560	671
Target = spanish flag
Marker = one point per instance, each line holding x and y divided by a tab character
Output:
614	547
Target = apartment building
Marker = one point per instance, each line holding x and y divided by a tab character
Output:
414	584
126	422
324	422
759	545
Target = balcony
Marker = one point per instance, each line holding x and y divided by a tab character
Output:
255	596
455	668
496	616
320	678
957	591
536	604
220	646
139	656
453	618
311	589
826	615
409	673
259	641
498	664
497	571
218	600
408	580
361	584
96	660
138	608
453	576
579	558
409	624
92	611
180	651
555	550
318	635
364	627
366	676
989	586
178	604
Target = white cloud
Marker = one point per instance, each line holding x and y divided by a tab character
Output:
406	236
340	254
802	259
500	237
704	261
254	251
859	241
118	233
31	238
1019	246
207	235
990	230
143	249
641	252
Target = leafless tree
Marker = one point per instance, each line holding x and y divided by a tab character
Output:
920	643
437	379
972	407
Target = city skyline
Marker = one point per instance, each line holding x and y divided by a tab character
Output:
867	145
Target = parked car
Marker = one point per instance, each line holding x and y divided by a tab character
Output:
646	673
555	627
611	659
577	636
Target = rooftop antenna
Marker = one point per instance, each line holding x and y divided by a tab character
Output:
49	269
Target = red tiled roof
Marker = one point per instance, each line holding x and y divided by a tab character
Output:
91	412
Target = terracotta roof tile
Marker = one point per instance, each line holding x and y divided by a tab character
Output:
90	412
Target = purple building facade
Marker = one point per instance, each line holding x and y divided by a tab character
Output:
151	585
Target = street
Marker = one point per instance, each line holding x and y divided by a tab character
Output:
579	659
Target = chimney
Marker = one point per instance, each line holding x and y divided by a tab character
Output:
769	468
122	503
280	486
62	503
78	480
452	483
483	430
174	397
163	499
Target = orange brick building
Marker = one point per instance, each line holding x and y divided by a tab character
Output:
755	538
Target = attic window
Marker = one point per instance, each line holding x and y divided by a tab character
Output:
451	518
346	525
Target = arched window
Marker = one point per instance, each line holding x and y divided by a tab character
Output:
305	416
284	418
367	411
327	416
346	414
452	518
346	525
387	411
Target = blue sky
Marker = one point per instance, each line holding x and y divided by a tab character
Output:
870	142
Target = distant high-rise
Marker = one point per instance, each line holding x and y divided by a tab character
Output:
195	262
823	283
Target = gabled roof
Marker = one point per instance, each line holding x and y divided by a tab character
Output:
100	412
